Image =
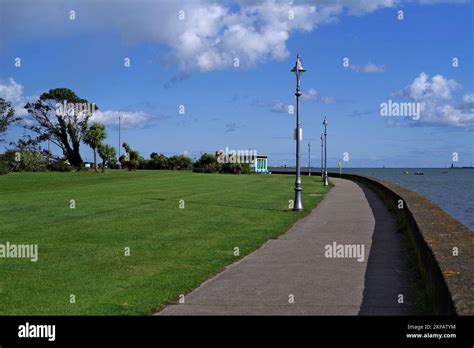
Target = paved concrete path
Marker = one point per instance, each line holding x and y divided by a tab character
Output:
295	266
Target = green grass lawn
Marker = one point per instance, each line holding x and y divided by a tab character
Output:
173	250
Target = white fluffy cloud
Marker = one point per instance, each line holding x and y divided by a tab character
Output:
210	35
368	68
311	95
279	107
438	105
135	119
423	88
468	98
314	96
13	92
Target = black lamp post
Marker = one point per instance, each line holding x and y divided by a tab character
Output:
119	144
298	70
309	158
322	155
325	123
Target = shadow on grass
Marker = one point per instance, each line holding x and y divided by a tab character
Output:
243	206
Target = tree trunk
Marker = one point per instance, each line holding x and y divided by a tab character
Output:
95	159
76	155
103	165
75	160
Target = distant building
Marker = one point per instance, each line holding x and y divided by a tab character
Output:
260	164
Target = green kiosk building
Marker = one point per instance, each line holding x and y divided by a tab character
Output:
260	164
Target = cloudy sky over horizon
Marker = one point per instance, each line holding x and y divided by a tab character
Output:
228	64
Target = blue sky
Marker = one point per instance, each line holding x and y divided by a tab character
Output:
190	63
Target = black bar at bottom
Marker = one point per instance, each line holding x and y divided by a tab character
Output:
254	329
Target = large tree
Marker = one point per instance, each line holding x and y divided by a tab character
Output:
94	137
7	116
62	117
107	153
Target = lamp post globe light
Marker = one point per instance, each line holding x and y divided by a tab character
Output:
325	177
298	70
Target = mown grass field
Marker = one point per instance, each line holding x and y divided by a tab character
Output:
172	250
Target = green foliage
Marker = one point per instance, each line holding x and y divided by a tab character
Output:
157	161
235	168
7	115
177	162
135	161
25	161
206	164
180	162
65	129
4	167
94	137
60	166
107	153
33	162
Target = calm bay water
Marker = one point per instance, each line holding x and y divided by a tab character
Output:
450	189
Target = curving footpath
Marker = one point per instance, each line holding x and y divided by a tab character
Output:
296	275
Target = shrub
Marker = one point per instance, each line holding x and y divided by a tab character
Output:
4	167
180	162
135	161
206	164
28	161
235	168
33	162
157	161
60	166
